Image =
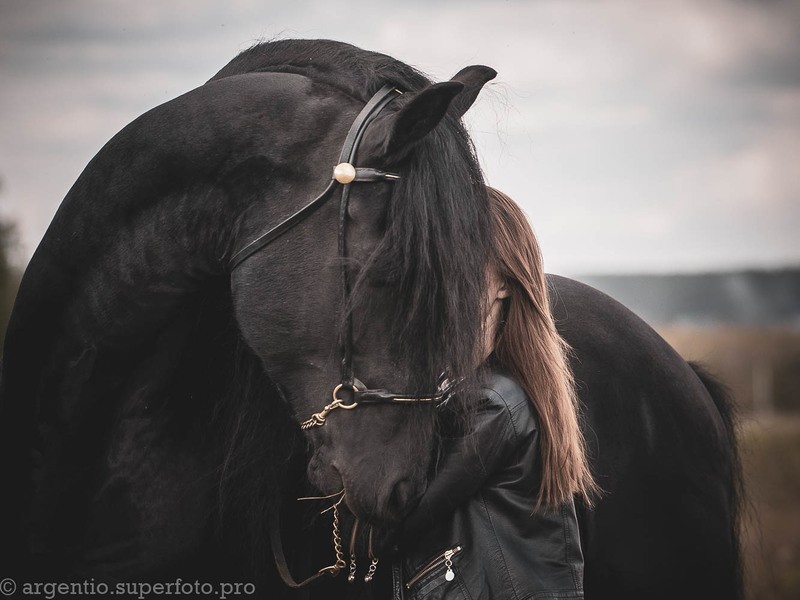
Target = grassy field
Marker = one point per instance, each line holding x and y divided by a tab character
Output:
762	367
760	364
771	541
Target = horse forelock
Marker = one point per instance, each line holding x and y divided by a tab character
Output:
433	255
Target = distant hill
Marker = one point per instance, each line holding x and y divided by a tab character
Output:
736	298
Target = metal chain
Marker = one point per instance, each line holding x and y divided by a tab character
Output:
374	565
352	576
337	540
341	563
371	572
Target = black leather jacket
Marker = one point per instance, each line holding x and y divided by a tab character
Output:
475	534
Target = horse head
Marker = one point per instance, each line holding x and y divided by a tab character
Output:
382	289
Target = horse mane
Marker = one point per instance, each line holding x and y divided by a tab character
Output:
360	73
262	454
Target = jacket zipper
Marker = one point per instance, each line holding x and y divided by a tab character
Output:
444	558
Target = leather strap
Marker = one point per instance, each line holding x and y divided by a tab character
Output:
367	174
386	397
281	228
385	95
368	114
280	558
371	109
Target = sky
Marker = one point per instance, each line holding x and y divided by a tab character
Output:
651	136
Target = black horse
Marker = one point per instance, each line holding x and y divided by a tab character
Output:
153	384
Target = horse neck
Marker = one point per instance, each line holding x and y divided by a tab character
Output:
149	225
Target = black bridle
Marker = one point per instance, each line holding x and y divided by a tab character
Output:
344	173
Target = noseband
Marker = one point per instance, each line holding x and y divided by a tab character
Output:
344	173
361	396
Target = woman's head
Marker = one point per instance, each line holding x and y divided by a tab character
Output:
529	346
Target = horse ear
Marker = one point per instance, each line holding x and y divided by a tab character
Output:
474	78
396	134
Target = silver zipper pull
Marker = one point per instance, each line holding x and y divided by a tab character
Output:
450	574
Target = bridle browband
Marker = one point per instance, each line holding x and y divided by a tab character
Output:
344	173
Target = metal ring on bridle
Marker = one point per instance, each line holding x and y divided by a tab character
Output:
340	401
318	419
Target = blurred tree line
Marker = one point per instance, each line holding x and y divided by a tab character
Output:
10	274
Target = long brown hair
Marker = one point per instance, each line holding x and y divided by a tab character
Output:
529	346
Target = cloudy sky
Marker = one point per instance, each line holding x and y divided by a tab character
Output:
638	136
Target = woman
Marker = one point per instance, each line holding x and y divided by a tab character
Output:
498	519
